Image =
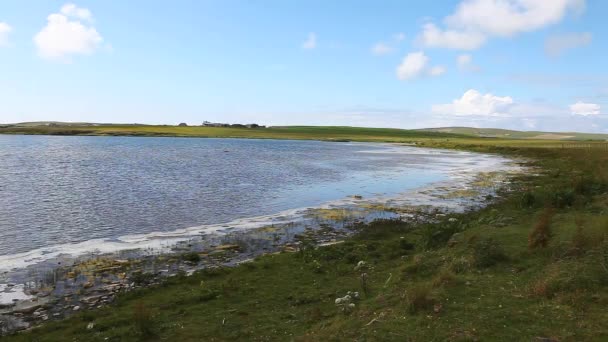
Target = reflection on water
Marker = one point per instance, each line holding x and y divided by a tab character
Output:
72	190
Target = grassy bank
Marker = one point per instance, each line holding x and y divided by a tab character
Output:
533	266
329	133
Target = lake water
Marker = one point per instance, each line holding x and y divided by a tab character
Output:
59	194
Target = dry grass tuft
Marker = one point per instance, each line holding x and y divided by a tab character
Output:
419	298
541	234
443	278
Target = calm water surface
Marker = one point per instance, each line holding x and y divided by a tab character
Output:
65	190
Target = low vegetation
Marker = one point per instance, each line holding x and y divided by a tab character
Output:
533	266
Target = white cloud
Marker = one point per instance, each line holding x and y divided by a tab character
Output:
582	108
437	70
412	66
71	10
310	42
380	49
433	37
476	104
5	30
474	21
555	45
415	65
66	35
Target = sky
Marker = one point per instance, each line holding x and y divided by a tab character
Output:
516	64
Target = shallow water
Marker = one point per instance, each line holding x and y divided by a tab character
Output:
108	193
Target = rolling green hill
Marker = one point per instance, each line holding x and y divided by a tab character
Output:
288	132
511	134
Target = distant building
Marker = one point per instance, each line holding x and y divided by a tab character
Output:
213	124
237	125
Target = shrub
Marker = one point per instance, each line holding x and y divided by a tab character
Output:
562	198
140	278
460	265
191	257
206	295
381	228
317	267
541	234
587	185
527	200
436	236
406	246
487	252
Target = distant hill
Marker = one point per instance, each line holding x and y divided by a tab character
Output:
66	124
511	134
88	128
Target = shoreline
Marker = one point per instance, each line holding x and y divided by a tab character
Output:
94	281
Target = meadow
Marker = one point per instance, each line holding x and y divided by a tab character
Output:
532	266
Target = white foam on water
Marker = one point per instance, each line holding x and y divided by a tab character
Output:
11	294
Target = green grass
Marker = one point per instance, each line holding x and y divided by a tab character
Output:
478	281
328	133
511	134
291	132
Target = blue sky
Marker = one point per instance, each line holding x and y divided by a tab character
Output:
520	64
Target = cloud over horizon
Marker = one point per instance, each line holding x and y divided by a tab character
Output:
474	103
582	108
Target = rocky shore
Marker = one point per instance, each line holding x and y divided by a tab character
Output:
65	286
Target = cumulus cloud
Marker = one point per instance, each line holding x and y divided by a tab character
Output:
582	108
310	42
473	103
384	48
380	49
433	37
474	21
5	30
555	45
412	66
415	65
67	33
71	10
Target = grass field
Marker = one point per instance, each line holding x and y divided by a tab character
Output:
511	134
331	133
531	267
